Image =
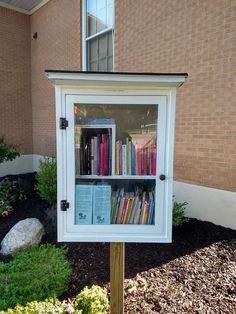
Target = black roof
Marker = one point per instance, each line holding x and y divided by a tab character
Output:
129	73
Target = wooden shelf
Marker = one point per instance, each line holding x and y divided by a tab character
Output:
115	177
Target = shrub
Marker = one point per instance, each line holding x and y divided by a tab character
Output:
7	152
52	306
89	301
179	214
36	273
10	193
47	180
92	301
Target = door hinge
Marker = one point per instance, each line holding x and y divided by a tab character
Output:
64	205
63	123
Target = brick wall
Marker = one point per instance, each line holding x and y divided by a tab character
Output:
198	37
58	46
15	93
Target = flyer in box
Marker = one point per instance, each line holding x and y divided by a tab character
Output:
83	204
101	204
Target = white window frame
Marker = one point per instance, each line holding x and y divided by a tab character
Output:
85	38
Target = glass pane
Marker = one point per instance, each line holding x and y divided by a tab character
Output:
93	66
110	44
110	64
102	65
93	50
100	51
100	15
101	19
115	162
110	15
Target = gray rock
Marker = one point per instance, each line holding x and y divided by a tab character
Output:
25	233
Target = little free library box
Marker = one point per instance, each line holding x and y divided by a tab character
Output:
115	140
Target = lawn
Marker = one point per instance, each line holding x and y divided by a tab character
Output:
196	273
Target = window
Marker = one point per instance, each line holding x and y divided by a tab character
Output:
98	20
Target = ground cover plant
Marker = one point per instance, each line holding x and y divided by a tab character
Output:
92	300
10	193
35	273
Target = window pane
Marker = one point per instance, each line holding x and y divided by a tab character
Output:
100	53
110	64
93	66
110	44
102	65
110	15
93	49
102	46
99	15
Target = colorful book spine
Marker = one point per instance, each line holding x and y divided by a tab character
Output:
134	159
120	158
153	167
124	154
132	208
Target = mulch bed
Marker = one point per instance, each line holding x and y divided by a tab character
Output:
196	273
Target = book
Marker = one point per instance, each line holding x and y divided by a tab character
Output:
124	155
101	204
132	207
83	204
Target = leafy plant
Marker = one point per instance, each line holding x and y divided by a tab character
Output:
52	306
88	301
179	214
47	180
36	273
10	193
92	301
8	152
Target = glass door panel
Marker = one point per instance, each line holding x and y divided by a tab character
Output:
115	164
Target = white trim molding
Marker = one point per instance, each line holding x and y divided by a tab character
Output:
22	164
20	10
207	204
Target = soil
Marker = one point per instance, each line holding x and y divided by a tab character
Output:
196	273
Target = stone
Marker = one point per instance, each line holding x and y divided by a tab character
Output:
23	234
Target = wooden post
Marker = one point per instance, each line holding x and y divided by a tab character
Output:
117	269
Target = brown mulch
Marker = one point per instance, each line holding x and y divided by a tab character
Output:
196	273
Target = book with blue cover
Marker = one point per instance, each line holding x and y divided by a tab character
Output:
83	204
101	204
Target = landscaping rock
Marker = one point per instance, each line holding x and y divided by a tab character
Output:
25	233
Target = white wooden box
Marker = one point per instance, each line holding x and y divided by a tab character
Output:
143	107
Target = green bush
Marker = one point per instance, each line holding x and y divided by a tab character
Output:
10	193
179	214
47	180
52	306
7	152
92	301
88	301
36	273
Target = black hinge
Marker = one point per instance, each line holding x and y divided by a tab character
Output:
64	205
63	123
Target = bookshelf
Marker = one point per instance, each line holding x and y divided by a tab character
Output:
115	156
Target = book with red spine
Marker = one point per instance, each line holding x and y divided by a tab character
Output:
145	161
153	168
103	156
123	214
139	160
